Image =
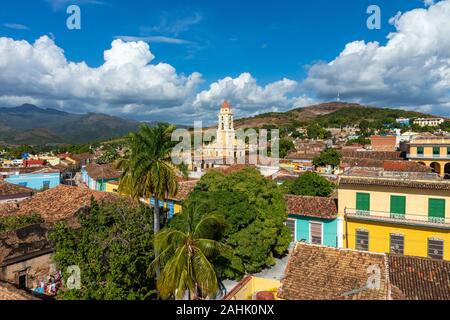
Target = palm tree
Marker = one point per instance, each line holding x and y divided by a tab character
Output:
147	169
186	253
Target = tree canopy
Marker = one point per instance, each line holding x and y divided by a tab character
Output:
255	212
113	248
309	184
327	157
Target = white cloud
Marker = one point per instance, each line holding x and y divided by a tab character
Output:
155	39
16	26
412	69
248	98
40	72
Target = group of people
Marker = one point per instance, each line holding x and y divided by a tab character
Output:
51	286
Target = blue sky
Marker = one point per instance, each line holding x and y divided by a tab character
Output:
268	41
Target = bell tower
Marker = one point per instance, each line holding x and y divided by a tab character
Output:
225	131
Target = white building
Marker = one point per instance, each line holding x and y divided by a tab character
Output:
430	122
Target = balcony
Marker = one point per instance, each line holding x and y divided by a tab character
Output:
403	219
429	156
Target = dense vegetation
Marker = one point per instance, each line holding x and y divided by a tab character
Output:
309	184
255	212
9	223
113	248
328	157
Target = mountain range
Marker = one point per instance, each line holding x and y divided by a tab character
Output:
29	124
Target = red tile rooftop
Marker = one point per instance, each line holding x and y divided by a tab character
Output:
318	207
56	204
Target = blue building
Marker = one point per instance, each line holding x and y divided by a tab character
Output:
96	176
314	220
37	180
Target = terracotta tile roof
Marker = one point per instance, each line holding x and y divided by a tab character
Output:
302	156
24	243
184	189
324	273
361	162
29	170
82	157
56	204
420	278
405	166
318	207
378	155
10	189
231	169
395	182
9	292
103	171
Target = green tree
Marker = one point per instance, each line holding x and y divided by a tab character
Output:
147	168
187	253
255	212
309	184
286	146
327	157
113	247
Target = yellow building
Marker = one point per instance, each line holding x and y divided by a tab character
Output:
432	151
112	186
250	287
402	214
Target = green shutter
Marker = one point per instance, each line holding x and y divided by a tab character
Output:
436	150
419	150
363	201
398	205
436	209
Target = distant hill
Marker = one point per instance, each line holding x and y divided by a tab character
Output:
28	124
328	114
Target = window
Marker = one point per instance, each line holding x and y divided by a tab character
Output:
436	151
290	223
397	243
398	204
435	248
362	203
448	151
23	184
46	184
315	231
362	240
420	150
436	210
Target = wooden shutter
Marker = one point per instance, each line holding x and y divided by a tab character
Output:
363	201
397	243
290	223
435	248
436	210
316	232
362	240
398	204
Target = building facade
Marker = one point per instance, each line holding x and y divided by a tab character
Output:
429	122
401	215
432	151
314	220
36	180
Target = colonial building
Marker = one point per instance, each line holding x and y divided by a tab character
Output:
429	122
314	220
432	151
226	144
396	212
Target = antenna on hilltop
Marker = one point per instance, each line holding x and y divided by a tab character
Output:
338	97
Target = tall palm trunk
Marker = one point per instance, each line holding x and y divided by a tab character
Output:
156	226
